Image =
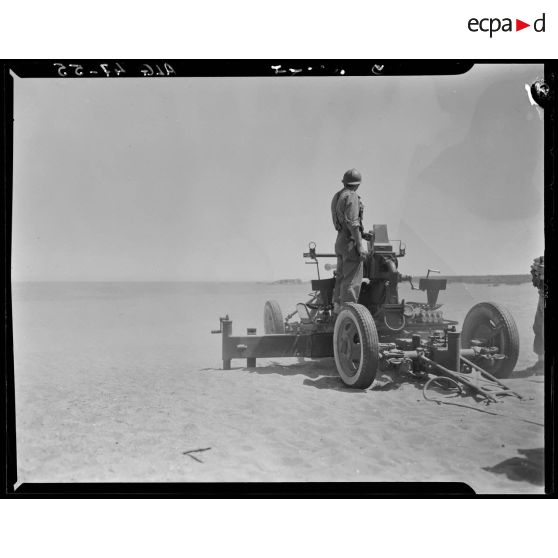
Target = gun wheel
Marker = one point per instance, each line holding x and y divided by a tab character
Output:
493	326
356	346
273	318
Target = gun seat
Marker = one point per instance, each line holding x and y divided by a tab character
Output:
325	287
432	288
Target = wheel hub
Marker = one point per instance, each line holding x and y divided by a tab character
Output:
487	332
349	347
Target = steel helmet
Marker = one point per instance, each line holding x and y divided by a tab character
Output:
352	177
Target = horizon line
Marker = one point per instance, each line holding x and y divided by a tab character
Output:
237	280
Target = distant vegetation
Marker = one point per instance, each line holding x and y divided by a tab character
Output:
472	279
288	282
490	279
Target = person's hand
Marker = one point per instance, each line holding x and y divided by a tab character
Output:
362	253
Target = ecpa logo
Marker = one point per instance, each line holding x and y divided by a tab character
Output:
494	24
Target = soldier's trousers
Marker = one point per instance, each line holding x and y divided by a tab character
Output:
349	271
538	328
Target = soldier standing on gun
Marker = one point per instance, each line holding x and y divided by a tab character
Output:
537	275
346	211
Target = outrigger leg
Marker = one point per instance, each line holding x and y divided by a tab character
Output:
273	345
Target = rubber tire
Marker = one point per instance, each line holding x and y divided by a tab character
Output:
508	342
273	318
368	368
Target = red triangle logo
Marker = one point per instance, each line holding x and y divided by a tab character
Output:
519	25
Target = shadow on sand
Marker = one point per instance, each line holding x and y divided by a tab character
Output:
330	382
322	374
528	468
527	373
310	368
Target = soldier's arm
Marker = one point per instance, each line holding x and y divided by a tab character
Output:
351	215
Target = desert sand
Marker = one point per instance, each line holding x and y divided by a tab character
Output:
115	382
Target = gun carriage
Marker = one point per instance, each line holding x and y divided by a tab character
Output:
381	331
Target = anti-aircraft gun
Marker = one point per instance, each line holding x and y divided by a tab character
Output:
381	330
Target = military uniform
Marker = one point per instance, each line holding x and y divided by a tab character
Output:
537	274
538	328
346	212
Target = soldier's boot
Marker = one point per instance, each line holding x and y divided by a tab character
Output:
336	310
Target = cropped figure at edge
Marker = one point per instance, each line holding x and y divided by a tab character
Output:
537	276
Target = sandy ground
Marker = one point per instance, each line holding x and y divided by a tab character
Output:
118	391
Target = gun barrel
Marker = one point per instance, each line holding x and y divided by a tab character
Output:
315	256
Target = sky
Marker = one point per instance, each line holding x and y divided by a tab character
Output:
218	179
